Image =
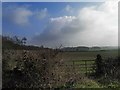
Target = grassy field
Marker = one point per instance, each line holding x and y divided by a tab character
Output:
90	55
78	58
35	67
61	72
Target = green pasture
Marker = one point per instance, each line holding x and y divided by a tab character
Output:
78	59
88	55
81	66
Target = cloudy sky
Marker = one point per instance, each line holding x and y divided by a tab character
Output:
70	24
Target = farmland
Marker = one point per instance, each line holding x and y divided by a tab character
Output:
53	68
89	55
79	58
59	68
60	45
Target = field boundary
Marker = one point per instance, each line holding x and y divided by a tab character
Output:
86	66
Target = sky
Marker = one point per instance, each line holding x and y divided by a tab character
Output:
0	18
68	23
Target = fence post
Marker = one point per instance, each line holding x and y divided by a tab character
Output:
99	68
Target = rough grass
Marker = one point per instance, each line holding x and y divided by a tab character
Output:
90	55
62	70
87	83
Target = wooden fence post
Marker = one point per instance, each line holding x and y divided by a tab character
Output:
99	67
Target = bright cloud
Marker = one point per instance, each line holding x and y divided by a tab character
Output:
95	25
